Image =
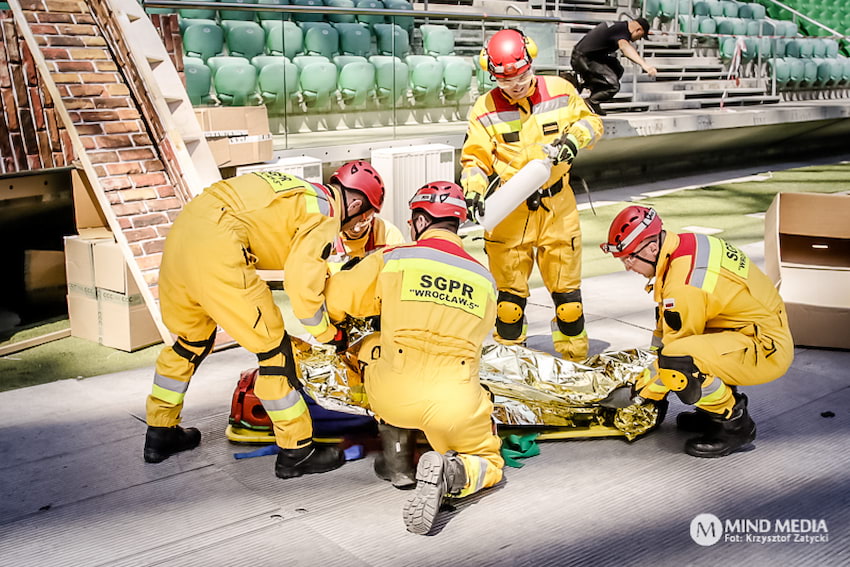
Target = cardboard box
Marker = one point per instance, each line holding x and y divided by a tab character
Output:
237	135
89	218
111	271
807	254
83	313
44	275
125	322
79	260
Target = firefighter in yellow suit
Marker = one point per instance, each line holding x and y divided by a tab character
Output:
721	324
208	278
437	305
507	128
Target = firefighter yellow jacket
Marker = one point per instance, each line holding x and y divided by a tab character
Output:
504	134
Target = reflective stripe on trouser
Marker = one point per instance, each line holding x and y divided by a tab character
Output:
447	403
730	358
274	387
551	237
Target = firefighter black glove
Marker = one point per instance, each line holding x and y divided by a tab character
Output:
621	397
340	341
567	149
475	205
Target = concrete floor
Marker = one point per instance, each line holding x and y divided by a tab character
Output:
75	490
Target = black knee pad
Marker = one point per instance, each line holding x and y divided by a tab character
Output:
510	315
288	369
681	375
194	358
569	313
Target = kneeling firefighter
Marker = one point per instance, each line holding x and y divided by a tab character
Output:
208	278
721	324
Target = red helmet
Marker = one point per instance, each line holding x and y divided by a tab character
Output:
440	199
360	176
509	53
630	227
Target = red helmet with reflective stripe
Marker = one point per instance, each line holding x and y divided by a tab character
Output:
508	53
630	227
360	176
440	199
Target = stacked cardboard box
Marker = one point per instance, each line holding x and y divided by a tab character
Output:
237	135
807	254
104	303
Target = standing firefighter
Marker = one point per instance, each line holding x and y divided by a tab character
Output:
524	112
721	324
208	277
437	305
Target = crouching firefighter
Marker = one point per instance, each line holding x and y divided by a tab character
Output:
208	278
437	305
721	324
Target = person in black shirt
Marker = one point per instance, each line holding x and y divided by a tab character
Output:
594	62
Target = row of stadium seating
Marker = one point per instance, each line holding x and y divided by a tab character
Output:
831	13
795	72
318	83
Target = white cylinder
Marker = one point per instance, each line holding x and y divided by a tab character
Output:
516	190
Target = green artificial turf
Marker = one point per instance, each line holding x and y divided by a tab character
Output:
722	206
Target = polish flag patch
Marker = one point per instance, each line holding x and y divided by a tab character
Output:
669	303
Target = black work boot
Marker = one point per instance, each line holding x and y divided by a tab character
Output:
395	463
162	442
697	421
308	460
436	476
730	435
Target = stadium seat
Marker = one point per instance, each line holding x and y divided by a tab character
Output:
651	9
370	5
356	83
669	9
484	80
779	68
437	40
261	61
829	72
796	71
285	39
354	39
184	23
278	84
221	61
203	41
730	8
238	15
406	22
302	61
457	77
426	79
198	80
392	40
391	77
340	18
810	73
688	24
799	48
273	16
818	47
236	85
198	13
830	47
305	17
752	11
321	41
318	82
247	40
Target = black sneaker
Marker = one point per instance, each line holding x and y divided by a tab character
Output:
162	442
311	459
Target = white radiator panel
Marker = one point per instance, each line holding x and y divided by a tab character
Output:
406	169
305	167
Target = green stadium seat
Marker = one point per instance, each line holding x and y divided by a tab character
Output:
340	18
261	61
713	7
406	22
198	13
779	67
800	48
818	48
829	72
391	77
318	82
845	70
730	9
752	11
321	41
302	61
484	80
278	84
217	63
688	24
371	5
285	39
273	16
707	25
437	40
651	9
203	41
184	23
238	15
198	81
236	85
356	83
247	40
457	77
302	17
669	9
426	79
830	47
354	39
796	71
392	39
810	73
229	25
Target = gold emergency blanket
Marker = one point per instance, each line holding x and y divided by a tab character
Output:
530	388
